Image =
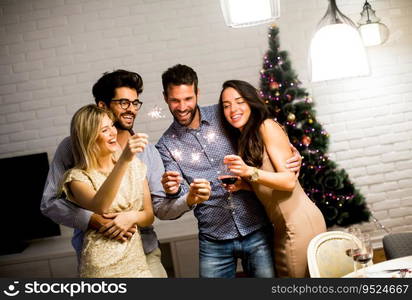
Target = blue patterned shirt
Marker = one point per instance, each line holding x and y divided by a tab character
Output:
197	153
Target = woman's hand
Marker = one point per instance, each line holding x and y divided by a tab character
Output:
294	163
237	166
121	227
135	144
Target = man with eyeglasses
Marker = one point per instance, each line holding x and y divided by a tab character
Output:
125	103
119	92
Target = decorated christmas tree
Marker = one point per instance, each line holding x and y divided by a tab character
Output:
327	185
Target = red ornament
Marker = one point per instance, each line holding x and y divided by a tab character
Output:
289	97
274	85
306	140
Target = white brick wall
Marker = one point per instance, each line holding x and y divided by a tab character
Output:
52	51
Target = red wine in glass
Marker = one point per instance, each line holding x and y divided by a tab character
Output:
364	253
354	252
227	179
226	176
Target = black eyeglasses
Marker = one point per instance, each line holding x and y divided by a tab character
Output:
125	103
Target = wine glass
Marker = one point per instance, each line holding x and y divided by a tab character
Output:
355	231
363	253
227	178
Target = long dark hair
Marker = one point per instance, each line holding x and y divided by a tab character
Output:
248	142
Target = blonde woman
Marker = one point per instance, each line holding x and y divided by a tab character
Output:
263	146
108	181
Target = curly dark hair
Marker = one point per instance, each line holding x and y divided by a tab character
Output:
104	88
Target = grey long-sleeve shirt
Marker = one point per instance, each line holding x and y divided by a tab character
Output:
65	212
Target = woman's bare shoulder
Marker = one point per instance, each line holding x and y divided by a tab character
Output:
269	126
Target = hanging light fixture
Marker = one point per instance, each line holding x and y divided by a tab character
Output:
373	32
244	13
336	49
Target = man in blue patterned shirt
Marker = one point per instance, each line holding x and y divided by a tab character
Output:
192	149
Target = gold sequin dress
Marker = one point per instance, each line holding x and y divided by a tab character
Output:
104	257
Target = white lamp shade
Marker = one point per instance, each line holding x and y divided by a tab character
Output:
373	34
337	51
244	13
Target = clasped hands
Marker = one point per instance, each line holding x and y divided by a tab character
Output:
116	226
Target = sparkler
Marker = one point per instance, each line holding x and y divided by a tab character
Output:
177	154
210	137
195	157
156	113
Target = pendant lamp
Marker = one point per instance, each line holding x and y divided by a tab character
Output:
373	32
336	49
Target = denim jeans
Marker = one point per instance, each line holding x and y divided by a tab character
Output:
218	259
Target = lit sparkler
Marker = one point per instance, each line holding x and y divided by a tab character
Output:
156	113
177	154
211	137
195	157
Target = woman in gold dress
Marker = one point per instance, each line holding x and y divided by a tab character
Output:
107	180
263	147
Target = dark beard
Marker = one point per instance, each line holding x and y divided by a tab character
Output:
119	126
192	116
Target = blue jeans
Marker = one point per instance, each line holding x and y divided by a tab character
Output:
218	259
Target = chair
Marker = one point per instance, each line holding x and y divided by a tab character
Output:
397	245
327	254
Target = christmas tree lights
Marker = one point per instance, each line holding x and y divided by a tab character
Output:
327	185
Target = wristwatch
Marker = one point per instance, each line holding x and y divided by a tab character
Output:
254	176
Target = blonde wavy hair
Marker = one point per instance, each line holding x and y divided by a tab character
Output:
84	130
